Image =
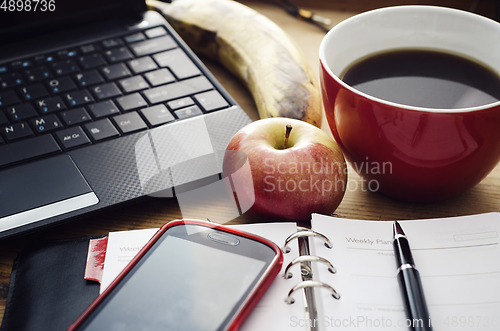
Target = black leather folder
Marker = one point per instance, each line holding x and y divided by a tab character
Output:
47	287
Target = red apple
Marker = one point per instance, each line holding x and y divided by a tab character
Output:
285	168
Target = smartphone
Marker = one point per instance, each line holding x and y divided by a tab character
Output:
191	276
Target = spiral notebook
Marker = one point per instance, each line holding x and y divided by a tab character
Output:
341	275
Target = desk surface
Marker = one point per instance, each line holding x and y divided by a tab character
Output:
357	204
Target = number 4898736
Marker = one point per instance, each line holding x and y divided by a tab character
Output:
28	5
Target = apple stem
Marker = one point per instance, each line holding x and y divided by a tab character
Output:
287	135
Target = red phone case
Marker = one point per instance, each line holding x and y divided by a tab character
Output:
250	301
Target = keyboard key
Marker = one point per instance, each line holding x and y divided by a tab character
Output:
178	62
211	100
3	118
44	59
50	58
40	59
28	149
72	137
72	53
133	84
159	77
142	65
102	109
156	32
10	80
130	122
106	91
61	85
177	90
8	98
21	112
91	61
110	43
17	131
102	129
115	71
180	103
89	49
62	54
47	123
75	116
78	98
19	64
118	54
48	105
65	67
89	78
132	101
34	92
188	112
37	74
139	36
67	53
152	46
157	115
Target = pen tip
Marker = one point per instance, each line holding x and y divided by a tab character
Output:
397	230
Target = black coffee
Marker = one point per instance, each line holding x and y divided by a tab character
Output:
425	78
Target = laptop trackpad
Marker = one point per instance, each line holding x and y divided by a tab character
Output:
42	189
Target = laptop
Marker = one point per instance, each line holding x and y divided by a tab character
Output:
102	104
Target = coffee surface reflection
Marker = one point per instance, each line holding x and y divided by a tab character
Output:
424	78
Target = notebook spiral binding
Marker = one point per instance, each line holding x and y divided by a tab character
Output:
304	261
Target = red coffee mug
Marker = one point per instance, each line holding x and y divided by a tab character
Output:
405	152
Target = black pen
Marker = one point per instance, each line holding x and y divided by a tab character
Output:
417	315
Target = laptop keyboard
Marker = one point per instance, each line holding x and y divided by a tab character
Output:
85	95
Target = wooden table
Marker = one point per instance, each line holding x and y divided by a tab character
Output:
357	203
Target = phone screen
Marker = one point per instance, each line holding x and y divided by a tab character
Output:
184	282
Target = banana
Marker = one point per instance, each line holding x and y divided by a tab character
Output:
254	49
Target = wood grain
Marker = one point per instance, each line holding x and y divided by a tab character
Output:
358	203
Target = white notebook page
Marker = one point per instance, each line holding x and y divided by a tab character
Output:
458	260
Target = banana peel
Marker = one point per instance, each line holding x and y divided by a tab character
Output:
254	49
